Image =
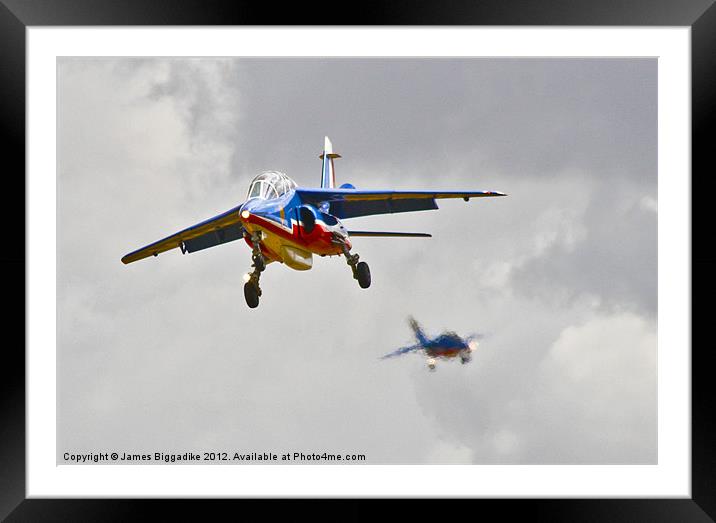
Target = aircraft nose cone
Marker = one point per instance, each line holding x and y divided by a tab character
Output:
252	207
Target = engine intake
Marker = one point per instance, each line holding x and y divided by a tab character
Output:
308	215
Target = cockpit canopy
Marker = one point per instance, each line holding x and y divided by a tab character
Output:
270	184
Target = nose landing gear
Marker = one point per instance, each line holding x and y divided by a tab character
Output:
252	290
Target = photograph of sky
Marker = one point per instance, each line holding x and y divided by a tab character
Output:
560	276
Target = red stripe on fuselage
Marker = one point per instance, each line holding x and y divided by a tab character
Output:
445	353
319	241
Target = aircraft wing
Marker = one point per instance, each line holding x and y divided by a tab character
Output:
403	350
351	203
225	227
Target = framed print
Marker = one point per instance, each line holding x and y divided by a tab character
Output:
531	342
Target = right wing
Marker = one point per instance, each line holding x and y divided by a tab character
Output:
225	227
351	203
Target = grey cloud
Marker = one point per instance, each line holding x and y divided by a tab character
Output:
164	355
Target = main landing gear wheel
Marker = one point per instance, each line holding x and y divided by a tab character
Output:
363	275
251	293
361	271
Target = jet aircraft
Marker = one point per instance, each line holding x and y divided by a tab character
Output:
284	223
446	346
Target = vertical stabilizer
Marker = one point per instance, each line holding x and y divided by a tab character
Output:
419	335
328	173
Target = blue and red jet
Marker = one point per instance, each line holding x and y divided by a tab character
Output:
284	223
446	346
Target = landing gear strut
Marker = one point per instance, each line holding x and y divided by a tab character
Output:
361	271
252	290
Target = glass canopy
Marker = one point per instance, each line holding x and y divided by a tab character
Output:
270	184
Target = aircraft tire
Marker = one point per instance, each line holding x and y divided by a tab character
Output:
251	293
363	272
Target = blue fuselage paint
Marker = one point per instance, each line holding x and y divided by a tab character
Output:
445	345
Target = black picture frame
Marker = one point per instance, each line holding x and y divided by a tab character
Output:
17	15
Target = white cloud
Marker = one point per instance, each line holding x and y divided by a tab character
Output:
555	227
505	442
599	382
445	452
618	346
649	203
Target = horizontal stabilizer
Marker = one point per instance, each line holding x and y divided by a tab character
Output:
389	234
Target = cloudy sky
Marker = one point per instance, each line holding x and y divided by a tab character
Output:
560	276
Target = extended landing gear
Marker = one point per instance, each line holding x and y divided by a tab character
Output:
363	275
252	290
252	293
431	364
361	271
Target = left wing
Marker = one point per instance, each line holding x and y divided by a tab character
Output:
351	203
225	227
403	350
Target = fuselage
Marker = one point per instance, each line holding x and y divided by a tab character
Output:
448	345
291	231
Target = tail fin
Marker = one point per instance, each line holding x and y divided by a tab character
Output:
328	173
418	331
